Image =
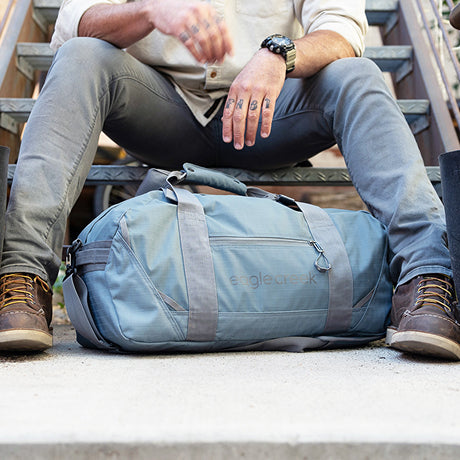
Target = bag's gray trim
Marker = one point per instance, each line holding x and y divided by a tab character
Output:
364	300
256	192
171	302
155	179
340	274
124	230
76	295
199	267
302	344
92	257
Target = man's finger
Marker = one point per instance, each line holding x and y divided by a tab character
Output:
268	109
187	39
227	119
215	40
252	121
239	121
207	38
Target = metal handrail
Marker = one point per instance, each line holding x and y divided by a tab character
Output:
441	68
17	16
5	16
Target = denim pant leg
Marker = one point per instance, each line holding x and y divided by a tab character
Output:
349	102
386	167
91	86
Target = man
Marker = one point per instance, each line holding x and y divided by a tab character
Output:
208	82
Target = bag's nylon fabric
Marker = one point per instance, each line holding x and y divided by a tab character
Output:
247	276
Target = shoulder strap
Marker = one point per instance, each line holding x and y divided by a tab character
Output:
76	296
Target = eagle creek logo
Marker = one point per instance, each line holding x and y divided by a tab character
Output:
267	279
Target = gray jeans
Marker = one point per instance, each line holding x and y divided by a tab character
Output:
93	86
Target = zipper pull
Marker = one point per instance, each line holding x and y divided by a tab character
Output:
321	255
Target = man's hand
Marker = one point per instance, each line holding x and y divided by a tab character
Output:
253	92
196	25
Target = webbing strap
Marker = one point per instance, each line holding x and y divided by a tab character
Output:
340	275
199	267
92	257
76	302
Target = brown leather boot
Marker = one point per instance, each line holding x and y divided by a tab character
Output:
25	313
425	318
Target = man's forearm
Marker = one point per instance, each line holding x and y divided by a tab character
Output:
121	25
318	49
195	24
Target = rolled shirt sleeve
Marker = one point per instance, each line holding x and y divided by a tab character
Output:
347	18
70	13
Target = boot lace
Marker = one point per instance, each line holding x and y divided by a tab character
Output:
436	292
18	288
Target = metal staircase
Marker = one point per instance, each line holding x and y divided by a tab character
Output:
402	54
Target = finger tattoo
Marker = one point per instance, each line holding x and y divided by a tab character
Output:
230	102
195	29
206	24
253	105
184	36
239	104
267	103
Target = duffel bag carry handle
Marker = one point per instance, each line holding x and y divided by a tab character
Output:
191	174
198	175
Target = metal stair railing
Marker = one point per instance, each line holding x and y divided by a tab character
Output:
441	31
423	82
17	24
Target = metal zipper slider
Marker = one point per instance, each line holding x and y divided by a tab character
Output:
321	255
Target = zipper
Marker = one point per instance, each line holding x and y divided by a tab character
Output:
269	240
322	264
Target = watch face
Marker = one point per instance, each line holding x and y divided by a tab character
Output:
281	41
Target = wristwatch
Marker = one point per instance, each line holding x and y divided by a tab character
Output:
282	45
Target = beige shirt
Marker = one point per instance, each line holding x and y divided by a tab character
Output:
249	22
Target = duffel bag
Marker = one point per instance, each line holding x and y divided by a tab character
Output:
171	270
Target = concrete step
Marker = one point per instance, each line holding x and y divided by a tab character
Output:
365	403
14	111
379	12
397	59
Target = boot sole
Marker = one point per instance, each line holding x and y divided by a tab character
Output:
390	332
422	343
25	340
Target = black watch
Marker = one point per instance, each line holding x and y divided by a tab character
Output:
282	45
